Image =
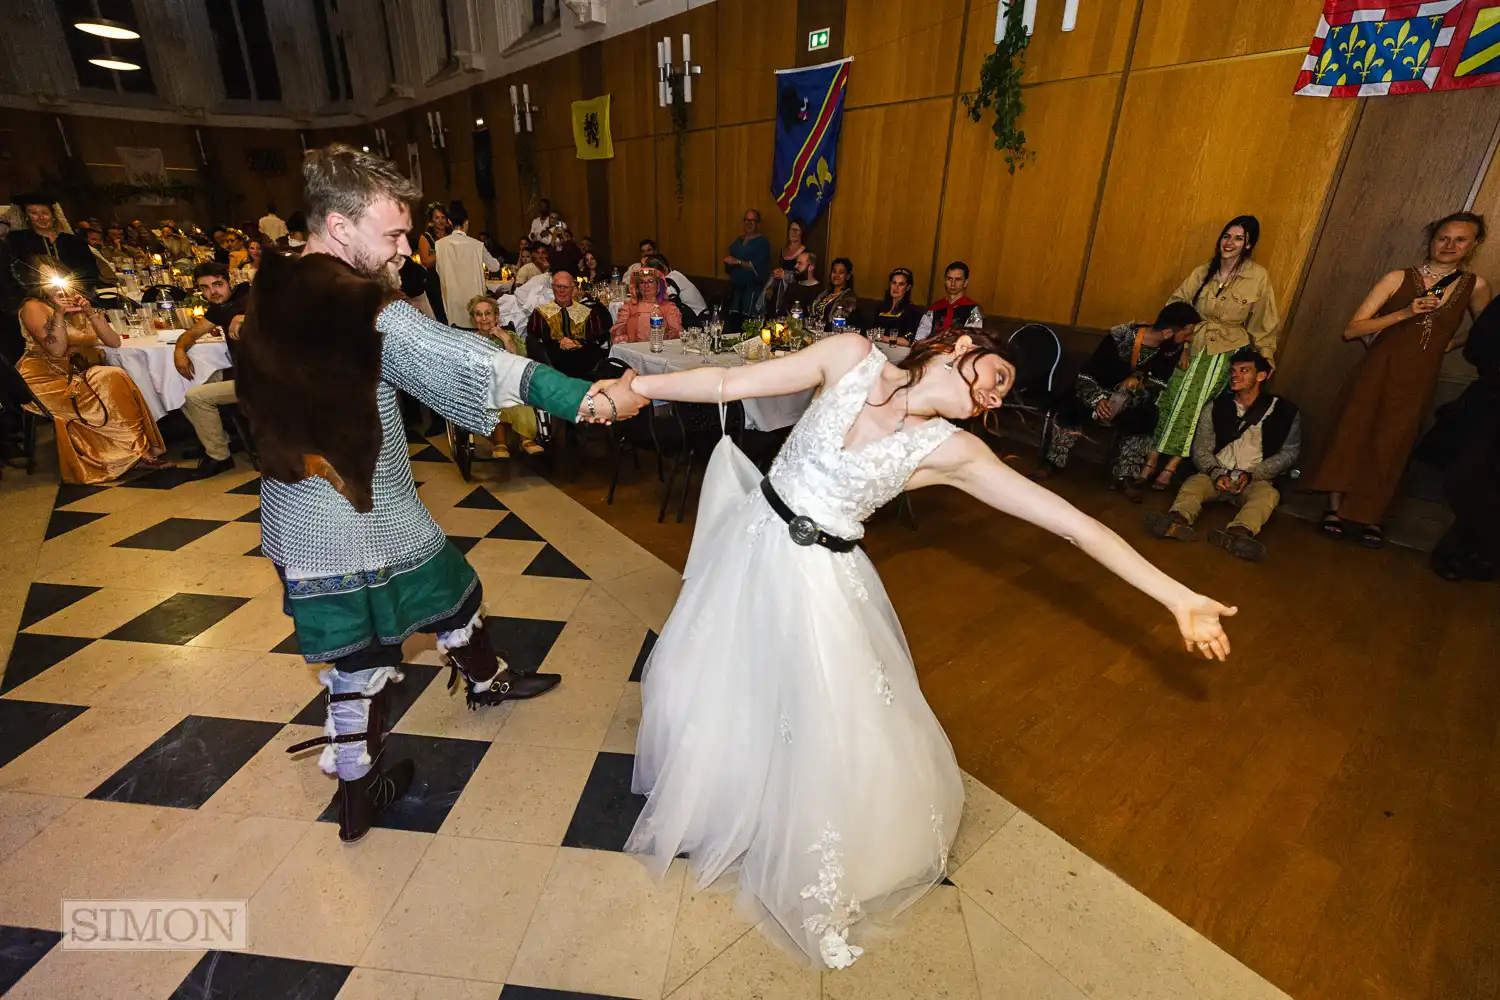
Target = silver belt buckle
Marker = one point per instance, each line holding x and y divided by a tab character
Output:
803	529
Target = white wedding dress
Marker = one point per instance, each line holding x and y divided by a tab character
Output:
783	732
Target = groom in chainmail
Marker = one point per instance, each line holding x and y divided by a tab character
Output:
327	342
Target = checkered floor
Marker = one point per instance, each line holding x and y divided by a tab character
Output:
151	688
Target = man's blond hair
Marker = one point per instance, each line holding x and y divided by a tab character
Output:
339	178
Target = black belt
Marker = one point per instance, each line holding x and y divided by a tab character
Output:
803	529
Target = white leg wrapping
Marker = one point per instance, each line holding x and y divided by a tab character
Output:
351	760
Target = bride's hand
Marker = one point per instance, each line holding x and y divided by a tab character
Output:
1198	618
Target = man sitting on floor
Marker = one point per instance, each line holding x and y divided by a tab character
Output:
225	310
1245	439
1117	387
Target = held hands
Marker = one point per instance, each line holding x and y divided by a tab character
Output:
609	400
1198	619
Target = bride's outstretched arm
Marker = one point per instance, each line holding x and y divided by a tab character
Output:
967	463
806	369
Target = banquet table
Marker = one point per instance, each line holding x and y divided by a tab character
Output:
147	359
766	414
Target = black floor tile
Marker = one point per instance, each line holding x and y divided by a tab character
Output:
63	521
430	454
239	975
47	599
414	436
607	810
179	619
161	479
481	499
171	534
523	642
24	724
463	543
190	762
247	489
33	653
20	949
256	552
946	881
550	562
539	993
512	527
403	696
72	493
253	517
645	654
444	767
288	645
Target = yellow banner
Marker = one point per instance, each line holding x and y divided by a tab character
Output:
591	129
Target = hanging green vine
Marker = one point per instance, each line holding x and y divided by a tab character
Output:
679	111
1000	88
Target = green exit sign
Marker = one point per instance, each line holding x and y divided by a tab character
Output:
817	39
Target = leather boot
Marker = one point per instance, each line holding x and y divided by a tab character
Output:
487	678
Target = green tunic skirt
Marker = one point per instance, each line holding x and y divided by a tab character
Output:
1186	394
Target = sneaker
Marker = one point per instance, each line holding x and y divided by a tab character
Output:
1164	525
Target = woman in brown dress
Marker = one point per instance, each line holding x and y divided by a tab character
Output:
1408	322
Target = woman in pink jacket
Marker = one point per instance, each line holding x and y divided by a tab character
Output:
648	291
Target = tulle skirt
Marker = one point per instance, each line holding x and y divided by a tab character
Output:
784	735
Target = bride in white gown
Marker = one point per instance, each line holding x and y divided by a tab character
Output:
783	731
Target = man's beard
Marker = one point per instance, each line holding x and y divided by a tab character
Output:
372	266
801	275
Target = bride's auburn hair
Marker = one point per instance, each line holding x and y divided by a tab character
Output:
924	352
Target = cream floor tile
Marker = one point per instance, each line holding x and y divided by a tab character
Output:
106	566
111	501
232	539
620	737
1106	938
380	984
596	652
214	855
122	524
525	794
93	975
1007	969
325	901
575	714
84	854
78	679
708	922
602	926
755	968
176	679
502	555
259	626
496	586
273	687
100	613
56	553
227	575
985	812
77	758
468	522
441	712
274	783
221	507
649	592
926	954
23	816
603	553
486	887
600	607
551	598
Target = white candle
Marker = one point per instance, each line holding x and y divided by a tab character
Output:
1000	9
1028	16
667	48
512	95
526	96
686	57
1070	15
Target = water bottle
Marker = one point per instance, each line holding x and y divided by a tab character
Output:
614	276
840	322
164	305
796	311
128	284
658	330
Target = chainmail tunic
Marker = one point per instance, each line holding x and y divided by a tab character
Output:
310	530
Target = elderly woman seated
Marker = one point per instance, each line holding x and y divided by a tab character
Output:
648	293
484	312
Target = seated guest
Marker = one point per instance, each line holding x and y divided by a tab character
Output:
538	264
107	276
591	269
648	293
800	291
225	311
484	314
648	250
956	309
838	296
1118	387
255	248
896	312
749	266
104	428
296	230
45	236
1245	439
680	290
461	263
566	333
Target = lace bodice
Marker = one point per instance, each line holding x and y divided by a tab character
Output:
839	489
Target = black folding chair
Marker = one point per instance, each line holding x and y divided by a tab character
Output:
1038	354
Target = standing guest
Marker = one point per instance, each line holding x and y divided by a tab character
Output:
225	311
749	266
538	264
804	289
461	262
954	311
296	230
896	312
104	428
1408	322
566	254
567	333
787	262
542	223
270	224
648	293
648	250
1238	305
48	238
437	228
484	313
839	297
1118	387
1245	439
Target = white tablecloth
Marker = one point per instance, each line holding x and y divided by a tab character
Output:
148	362
766	414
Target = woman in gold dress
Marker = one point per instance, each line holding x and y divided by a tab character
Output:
104	428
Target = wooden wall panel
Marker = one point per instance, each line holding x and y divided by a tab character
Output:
555	85
1097	45
630	80
1487	259
1247	147
685	232
885	211
230	149
703	24
754	42
510	215
903	49
745	182
1023	235
1178	31
564	179
632	197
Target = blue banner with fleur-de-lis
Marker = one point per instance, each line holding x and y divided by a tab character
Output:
809	112
1369	48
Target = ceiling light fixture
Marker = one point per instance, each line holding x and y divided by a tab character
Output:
111	63
108	29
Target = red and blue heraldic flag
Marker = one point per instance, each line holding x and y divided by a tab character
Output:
1370	48
809	111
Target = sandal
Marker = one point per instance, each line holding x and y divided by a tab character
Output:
1332	525
1163	480
1372	536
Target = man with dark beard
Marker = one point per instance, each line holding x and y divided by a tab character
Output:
327	342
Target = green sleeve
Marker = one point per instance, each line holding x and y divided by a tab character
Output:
549	389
